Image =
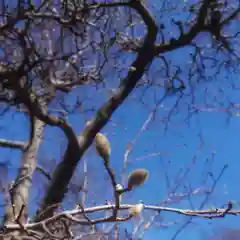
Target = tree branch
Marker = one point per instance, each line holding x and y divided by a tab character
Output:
186	38
19	190
232	16
12	144
64	171
44	172
75	216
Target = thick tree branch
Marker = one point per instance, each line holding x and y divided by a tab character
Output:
64	171
38	110
19	190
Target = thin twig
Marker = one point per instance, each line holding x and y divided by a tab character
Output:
44	172
12	144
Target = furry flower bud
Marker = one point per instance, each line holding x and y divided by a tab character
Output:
137	178
103	147
136	209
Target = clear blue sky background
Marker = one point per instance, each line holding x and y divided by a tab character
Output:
179	144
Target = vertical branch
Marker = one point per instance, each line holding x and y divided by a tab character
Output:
85	182
19	191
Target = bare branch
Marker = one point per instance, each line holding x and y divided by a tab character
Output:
72	215
12	144
114	184
66	168
40	69
19	190
44	172
186	38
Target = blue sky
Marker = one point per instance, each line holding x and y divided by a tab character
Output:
178	145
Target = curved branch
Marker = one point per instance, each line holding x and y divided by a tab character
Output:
44	172
64	171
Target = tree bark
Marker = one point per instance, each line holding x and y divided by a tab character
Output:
19	191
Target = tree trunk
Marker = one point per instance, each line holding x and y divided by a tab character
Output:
19	191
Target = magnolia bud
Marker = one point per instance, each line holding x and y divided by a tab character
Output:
136	209
137	178
103	146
